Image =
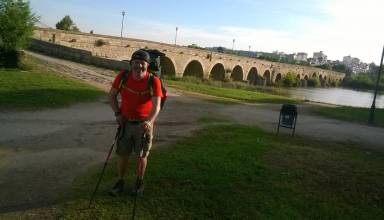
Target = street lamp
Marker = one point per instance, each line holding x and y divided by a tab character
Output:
176	35
233	44
122	24
372	112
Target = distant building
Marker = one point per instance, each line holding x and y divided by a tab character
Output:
301	56
319	58
355	65
291	57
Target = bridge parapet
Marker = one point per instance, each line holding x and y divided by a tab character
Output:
181	60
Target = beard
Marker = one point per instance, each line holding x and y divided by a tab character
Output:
139	72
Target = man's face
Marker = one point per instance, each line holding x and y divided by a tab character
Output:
139	67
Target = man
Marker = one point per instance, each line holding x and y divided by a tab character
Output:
136	116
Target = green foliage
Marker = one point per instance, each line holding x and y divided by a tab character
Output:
269	58
16	22
290	80
334	83
36	90
363	81
100	42
303	63
313	82
236	91
340	68
67	24
325	66
353	114
196	46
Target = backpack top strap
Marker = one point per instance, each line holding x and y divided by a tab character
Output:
151	80
123	79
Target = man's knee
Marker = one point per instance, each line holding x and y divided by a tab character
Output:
142	158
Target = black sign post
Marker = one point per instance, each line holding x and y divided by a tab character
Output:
287	118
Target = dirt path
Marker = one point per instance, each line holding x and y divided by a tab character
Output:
43	151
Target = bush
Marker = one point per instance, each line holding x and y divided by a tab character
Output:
361	81
17	23
313	82
100	42
290	80
9	59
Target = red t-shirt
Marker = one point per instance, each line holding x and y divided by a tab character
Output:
136	101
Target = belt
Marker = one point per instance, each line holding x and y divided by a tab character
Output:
133	122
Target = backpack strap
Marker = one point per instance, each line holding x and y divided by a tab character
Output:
123	79
151	80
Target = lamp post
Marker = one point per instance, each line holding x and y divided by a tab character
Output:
233	45
372	112
176	35
122	24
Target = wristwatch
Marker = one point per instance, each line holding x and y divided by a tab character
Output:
117	113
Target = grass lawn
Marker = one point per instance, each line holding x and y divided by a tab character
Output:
35	90
352	114
232	93
239	172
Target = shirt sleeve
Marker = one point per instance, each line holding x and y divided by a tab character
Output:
157	92
116	81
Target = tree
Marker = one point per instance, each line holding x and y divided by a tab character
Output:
17	24
220	49
325	66
67	24
340	68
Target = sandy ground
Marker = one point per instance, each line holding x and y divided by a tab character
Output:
43	151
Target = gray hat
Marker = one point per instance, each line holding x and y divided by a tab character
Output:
141	55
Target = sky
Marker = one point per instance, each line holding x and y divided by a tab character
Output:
336	27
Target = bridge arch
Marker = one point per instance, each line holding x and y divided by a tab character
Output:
237	73
167	66
194	68
267	76
278	78
252	76
217	72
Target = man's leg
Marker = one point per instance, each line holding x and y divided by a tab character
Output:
141	166
122	165
140	171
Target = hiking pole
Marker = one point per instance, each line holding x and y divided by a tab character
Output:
139	170
134	206
105	165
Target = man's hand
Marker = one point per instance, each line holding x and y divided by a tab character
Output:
119	119
146	126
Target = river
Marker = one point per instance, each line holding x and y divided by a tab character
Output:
337	96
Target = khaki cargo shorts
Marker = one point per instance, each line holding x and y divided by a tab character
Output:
132	138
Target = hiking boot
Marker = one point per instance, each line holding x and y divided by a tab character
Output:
138	187
117	188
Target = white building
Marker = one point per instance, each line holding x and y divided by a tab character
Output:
301	56
355	65
319	58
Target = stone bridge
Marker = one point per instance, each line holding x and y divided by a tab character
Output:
184	61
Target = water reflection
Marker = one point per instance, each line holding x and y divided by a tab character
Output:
337	96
